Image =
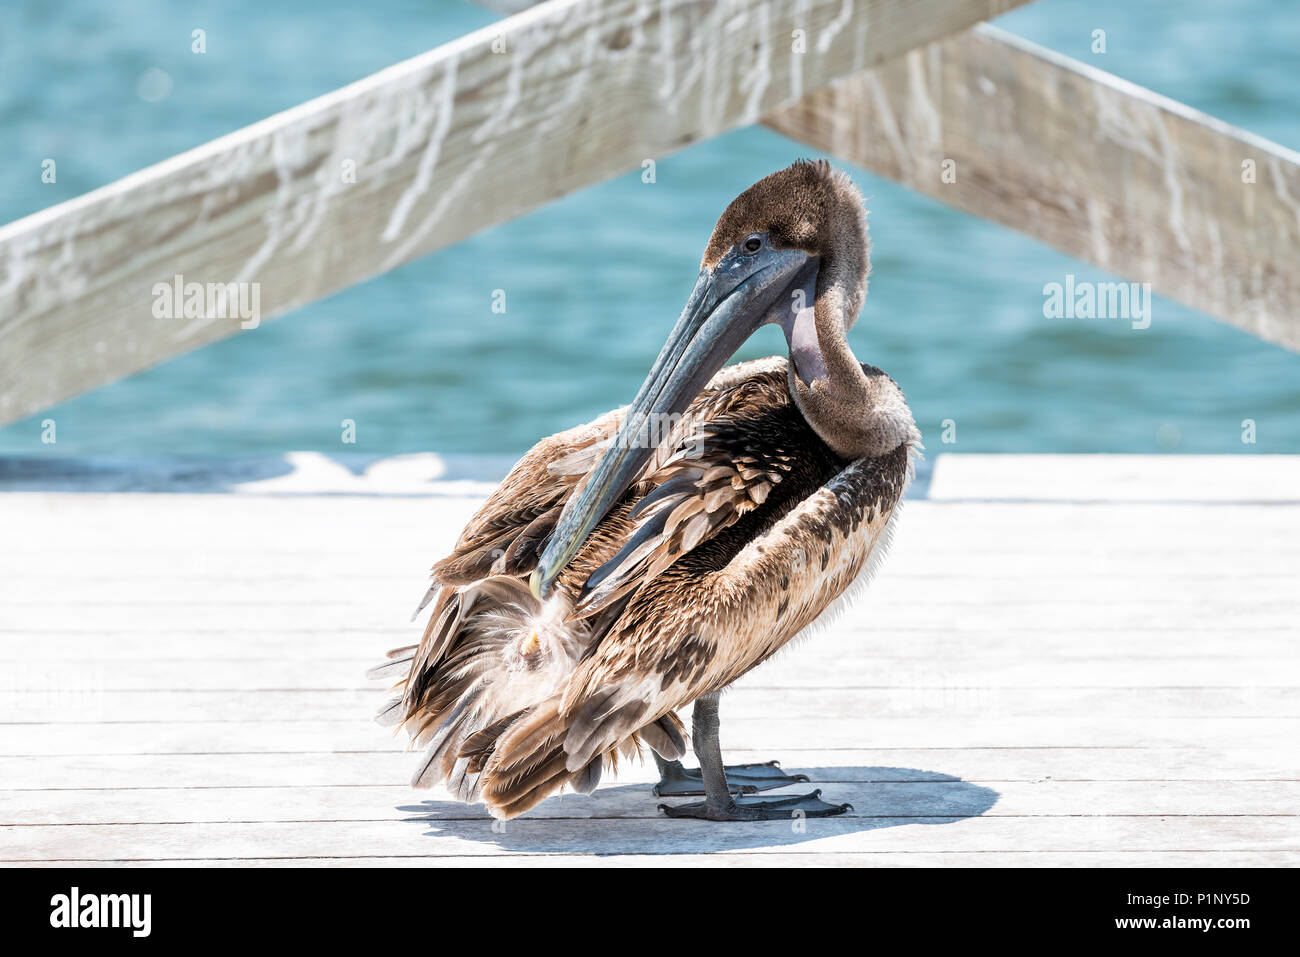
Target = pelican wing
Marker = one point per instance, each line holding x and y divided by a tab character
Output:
507	533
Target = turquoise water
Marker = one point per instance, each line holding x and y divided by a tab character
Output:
418	359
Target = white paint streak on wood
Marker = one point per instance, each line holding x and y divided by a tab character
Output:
441	108
833	28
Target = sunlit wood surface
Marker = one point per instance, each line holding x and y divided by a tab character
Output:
1065	660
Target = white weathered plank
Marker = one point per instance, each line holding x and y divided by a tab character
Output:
146	690
960	544
33	591
922	692
583	90
992	858
892	799
165	620
460	837
946	728
393	767
914	649
1102	169
1117	478
986	686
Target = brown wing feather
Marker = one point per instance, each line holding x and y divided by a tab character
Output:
761	596
507	533
739	450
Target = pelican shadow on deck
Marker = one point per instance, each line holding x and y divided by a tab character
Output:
615	820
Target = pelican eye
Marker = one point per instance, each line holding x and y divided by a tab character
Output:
753	244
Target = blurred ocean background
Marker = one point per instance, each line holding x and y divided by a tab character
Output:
420	362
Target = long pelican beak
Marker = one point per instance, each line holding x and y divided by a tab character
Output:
728	303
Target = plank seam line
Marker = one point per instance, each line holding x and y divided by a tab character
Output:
1093	502
874	781
611	817
644	853
877	750
484	819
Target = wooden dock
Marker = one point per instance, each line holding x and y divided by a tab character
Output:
1080	660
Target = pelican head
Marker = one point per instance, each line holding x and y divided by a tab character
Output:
790	250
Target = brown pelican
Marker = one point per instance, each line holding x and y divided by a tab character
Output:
644	561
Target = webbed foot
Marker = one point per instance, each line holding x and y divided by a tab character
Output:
749	809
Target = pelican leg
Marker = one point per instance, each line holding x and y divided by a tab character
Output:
718	804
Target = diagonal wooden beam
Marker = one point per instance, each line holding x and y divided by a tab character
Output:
468	135
1102	169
